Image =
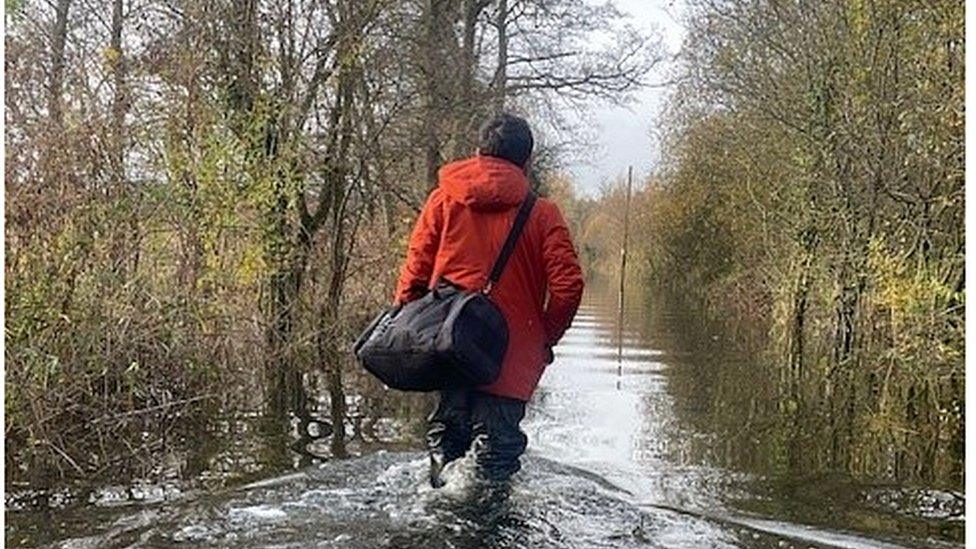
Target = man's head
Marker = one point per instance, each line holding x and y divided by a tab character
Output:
508	137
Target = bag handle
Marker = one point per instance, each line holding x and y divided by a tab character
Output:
509	246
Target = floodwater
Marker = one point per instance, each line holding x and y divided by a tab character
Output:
630	446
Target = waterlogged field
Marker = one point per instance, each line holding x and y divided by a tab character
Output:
646	441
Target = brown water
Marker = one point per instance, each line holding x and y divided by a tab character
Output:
662	441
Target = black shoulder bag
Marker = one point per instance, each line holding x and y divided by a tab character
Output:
450	338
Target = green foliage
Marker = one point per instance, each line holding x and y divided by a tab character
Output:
12	7
813	181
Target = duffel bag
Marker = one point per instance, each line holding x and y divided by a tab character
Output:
449	338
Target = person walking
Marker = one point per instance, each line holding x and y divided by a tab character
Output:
456	238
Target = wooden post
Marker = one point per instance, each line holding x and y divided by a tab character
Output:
623	271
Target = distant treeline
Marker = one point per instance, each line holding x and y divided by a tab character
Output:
813	180
200	191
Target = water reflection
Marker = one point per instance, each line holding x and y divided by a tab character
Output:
725	387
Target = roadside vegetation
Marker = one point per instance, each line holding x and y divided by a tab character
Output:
205	201
812	181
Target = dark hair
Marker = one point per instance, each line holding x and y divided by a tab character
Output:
506	136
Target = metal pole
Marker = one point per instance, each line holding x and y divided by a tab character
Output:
623	271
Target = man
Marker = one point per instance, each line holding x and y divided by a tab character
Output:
457	237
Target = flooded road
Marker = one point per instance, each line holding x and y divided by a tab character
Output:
625	451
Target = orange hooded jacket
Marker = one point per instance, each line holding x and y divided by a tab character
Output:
458	236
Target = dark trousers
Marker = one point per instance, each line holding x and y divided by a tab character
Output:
465	418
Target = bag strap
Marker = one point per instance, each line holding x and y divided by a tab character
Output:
509	246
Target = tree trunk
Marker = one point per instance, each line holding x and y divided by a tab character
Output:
330	352
56	79
243	52
118	99
500	81
431	145
281	301
125	244
798	326
467	116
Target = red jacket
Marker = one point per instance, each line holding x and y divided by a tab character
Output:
458	236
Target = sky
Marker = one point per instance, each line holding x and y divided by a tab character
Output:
624	133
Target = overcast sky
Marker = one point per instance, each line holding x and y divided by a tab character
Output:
624	133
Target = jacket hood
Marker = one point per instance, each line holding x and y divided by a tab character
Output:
484	183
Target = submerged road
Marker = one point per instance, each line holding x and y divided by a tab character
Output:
610	465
